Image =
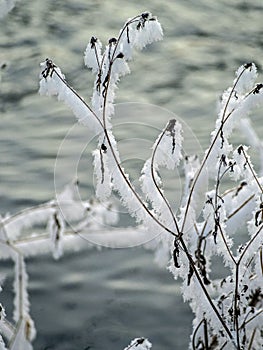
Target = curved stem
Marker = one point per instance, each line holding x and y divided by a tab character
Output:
78	96
251	169
26	211
249	244
218	133
208	297
110	143
240	207
236	306
195	333
156	184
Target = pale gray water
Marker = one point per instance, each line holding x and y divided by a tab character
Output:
98	300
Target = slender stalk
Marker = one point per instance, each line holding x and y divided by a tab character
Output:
156	184
236	306
240	207
79	97
207	295
249	244
26	211
218	133
195	333
206	335
251	169
217	218
226	245
152	216
110	143
252	339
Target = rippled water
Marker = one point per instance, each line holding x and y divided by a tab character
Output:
97	300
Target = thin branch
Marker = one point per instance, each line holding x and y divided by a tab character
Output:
218	133
252	339
236	306
78	96
156	184
226	245
241	149
195	333
249	244
240	207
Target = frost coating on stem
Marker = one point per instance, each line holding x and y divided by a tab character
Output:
21	302
169	146
102	173
92	55
14	225
166	153
145	31
237	102
224	309
53	83
112	64
139	344
56	228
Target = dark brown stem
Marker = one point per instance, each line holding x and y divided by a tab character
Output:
156	184
218	133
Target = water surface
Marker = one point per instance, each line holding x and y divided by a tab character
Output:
96	300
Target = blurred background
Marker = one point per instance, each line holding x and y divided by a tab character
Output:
102	299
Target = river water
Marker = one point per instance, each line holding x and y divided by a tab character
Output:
102	299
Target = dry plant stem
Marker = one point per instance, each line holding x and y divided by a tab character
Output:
190	259
195	333
112	150
224	119
252	339
132	189
156	220
261	260
215	208
103	125
22	212
248	245
236	293
252	170
77	95
252	318
206	342
206	334
240	207
20	293
236	307
226	245
158	188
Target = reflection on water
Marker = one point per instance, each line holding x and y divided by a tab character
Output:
106	298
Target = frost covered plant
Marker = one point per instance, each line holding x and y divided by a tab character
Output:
228	312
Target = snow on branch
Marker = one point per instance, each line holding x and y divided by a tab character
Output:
52	82
139	344
227	310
